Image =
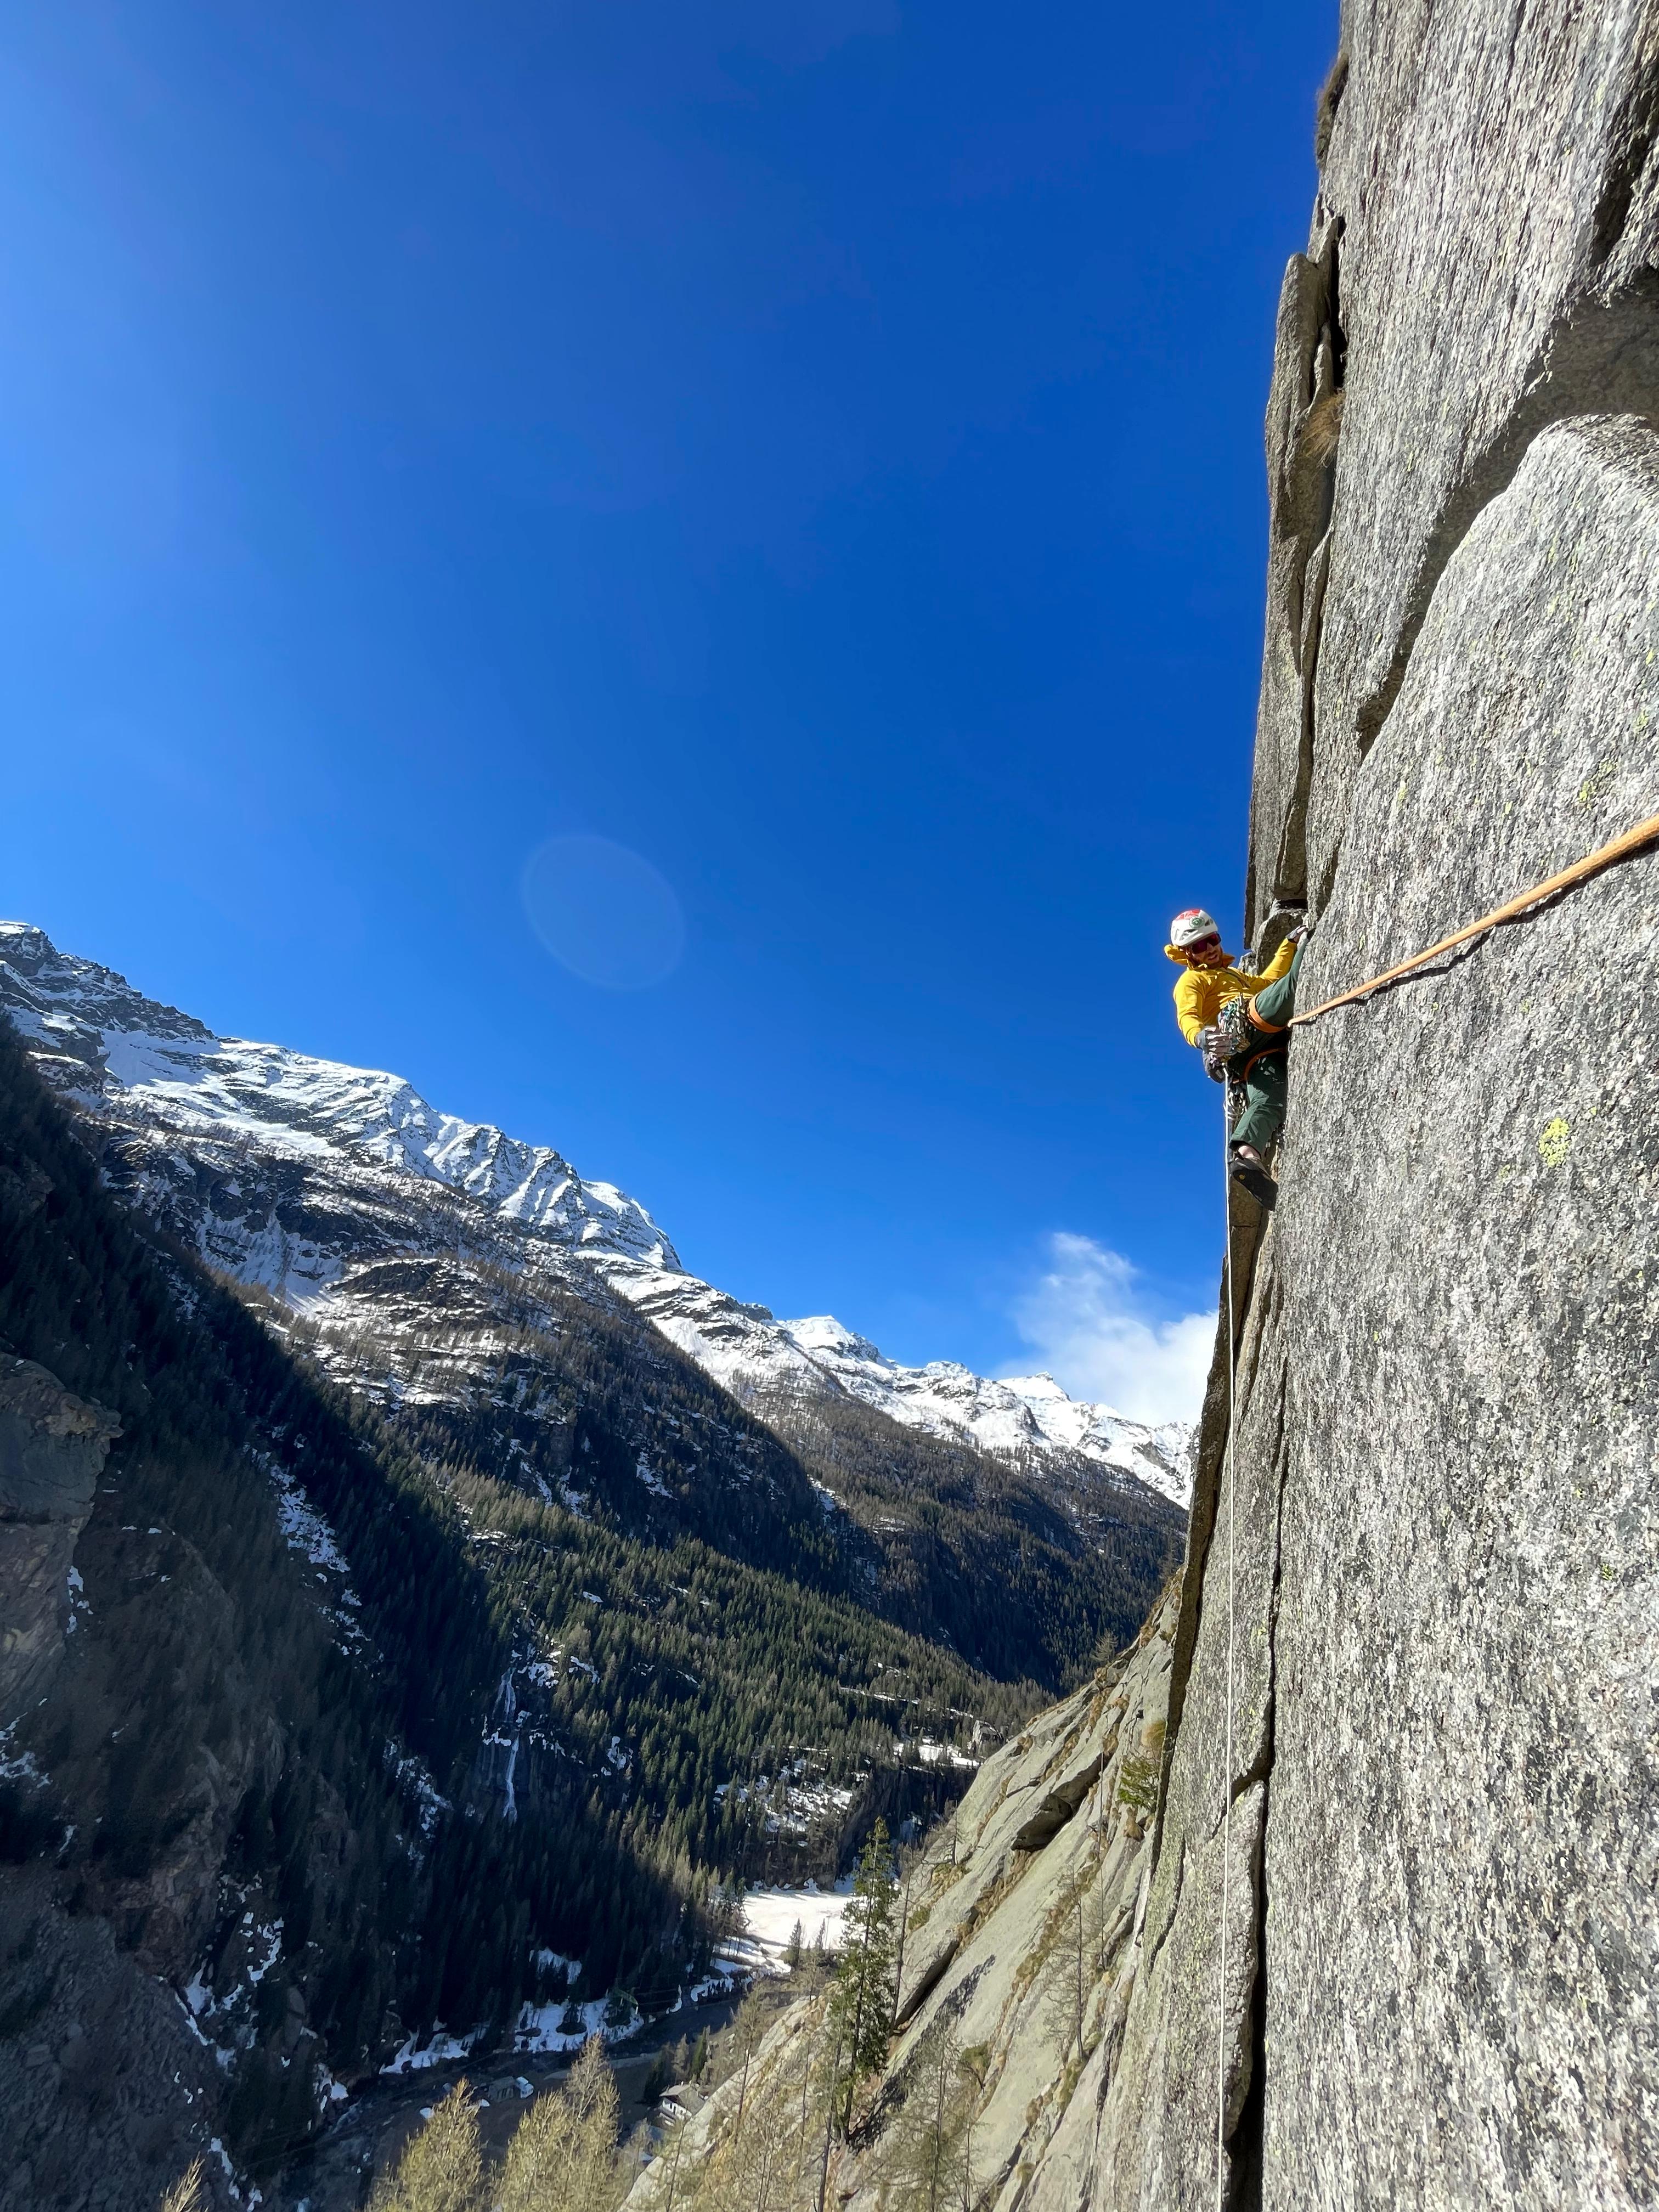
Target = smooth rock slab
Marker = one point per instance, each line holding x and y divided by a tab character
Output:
1463	1846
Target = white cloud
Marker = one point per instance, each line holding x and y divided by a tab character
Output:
1086	1319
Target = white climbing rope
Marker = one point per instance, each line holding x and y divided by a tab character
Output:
1227	1762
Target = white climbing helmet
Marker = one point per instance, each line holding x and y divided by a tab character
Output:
1190	925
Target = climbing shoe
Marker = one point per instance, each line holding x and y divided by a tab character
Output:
1246	1169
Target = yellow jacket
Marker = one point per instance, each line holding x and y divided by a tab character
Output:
1201	992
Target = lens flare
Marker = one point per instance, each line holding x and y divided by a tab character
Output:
604	912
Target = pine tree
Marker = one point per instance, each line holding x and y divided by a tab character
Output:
861	2000
756	2177
670	2154
539	2157
909	1859
929	2153
188	2193
747	2030
1078	1924
562	2155
441	2169
591	2090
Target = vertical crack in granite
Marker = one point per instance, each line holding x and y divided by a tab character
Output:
1247	1227
1605	362
1636	128
1601	358
1246	2156
1260	1768
1302	427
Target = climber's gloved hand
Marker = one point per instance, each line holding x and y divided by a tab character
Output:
1295	936
1217	1049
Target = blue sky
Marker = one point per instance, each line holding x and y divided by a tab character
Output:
816	449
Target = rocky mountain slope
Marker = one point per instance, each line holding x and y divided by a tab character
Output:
145	1069
468	1284
1388	1938
1022	1939
399	1628
791	1371
344	1133
312	1742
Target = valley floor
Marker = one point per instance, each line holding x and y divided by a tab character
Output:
368	2137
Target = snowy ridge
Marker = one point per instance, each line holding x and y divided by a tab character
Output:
1025	1413
767	1364
155	1070
99	1035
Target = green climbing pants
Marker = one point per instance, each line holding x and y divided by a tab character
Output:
1266	1085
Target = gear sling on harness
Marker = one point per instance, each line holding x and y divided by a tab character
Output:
1633	841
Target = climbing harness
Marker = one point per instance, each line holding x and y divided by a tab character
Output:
1240	1045
1645	833
1227	1765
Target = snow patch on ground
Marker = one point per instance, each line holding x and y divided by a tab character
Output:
930	1753
442	2049
770	1916
793	1802
306	1531
652	1482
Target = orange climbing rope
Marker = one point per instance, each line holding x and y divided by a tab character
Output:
1645	833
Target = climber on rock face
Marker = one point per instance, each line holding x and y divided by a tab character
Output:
1240	1023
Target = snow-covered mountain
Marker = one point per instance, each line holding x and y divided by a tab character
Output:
100	1039
303	1176
771	1364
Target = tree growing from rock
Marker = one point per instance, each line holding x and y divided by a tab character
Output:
909	1858
758	2169
1077	1930
929	2154
748	2030
861	1997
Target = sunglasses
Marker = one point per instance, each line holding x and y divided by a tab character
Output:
1211	944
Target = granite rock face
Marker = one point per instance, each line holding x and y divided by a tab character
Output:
1439	1531
1021	1939
1482	264
1464	1838
52	1445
